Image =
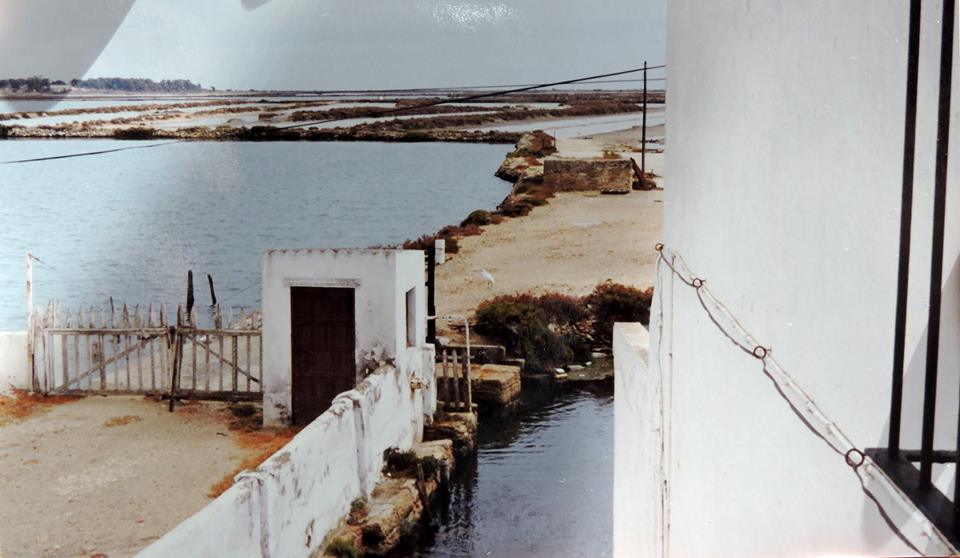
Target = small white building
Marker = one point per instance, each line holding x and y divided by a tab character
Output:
330	317
785	174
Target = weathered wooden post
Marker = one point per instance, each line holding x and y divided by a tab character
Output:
643	133
177	356
213	294
189	295
30	324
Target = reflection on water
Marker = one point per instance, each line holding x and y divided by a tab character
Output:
541	486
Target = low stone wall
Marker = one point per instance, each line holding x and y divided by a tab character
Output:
13	361
567	175
286	506
495	384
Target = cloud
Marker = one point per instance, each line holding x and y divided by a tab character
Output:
469	15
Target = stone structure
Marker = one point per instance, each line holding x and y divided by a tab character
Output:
495	384
606	175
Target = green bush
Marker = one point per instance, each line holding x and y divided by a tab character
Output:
477	217
405	463
343	547
611	302
553	330
358	505
537	329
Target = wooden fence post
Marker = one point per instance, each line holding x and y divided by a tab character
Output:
31	372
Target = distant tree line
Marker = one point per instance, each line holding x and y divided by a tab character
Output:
40	84
37	84
137	84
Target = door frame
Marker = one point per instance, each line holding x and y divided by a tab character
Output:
320	283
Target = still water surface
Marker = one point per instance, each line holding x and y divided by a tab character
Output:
541	487
130	224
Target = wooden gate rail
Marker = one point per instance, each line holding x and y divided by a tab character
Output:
454	390
103	353
96	355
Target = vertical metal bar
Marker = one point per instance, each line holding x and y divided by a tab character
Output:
936	260
456	381
643	133
431	294
468	396
906	224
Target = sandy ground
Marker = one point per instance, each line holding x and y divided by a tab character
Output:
570	245
72	486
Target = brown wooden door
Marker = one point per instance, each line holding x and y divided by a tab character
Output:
324	342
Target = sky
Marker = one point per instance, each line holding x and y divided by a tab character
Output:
330	44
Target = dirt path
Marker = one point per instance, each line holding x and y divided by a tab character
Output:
569	245
107	474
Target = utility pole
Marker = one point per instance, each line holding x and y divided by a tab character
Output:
643	136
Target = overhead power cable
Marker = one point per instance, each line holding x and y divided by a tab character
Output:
385	112
469	98
471	87
86	153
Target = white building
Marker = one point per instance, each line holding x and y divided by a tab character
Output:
330	317
785	165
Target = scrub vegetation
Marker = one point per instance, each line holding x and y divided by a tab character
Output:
552	330
398	463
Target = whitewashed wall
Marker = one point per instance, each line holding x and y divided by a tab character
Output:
287	506
13	361
637	473
785	125
380	279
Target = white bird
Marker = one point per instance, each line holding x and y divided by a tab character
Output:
487	276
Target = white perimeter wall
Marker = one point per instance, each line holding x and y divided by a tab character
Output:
637	474
287	506
13	361
785	126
